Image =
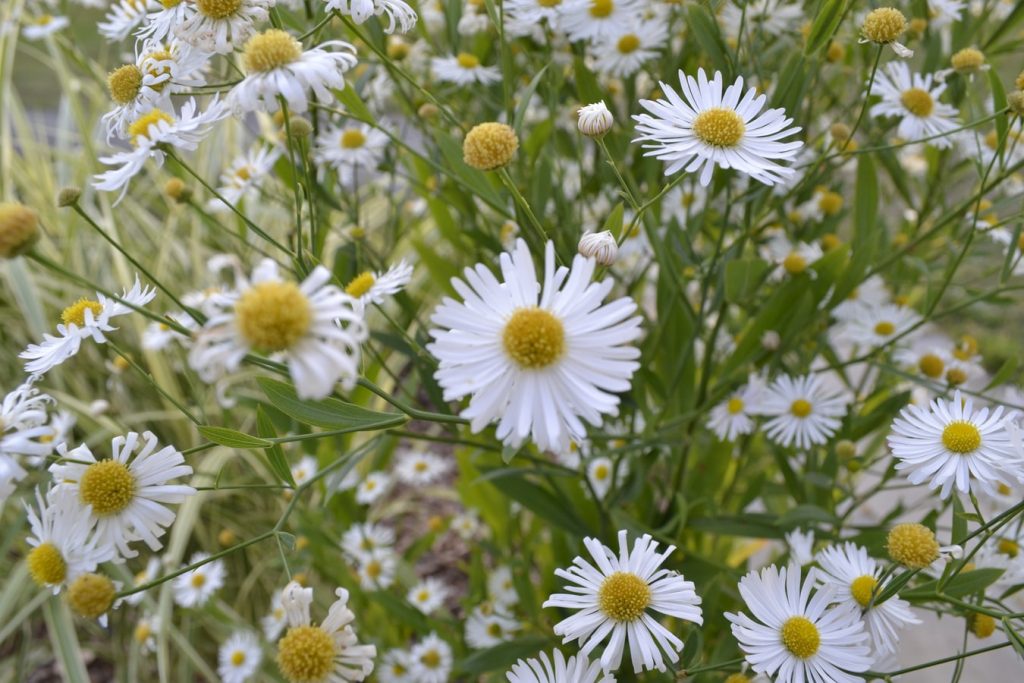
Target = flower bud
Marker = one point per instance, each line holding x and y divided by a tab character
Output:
19	229
595	120
600	246
1015	100
176	189
299	127
490	146
68	196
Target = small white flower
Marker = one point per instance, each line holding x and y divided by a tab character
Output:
596	20
372	487
501	588
431	660
804	411
222	25
242	180
464	69
350	148
168	14
305	469
763	19
428	595
43	25
400	16
622	54
239	658
878	326
396	667
914	98
421	469
360	540
733	417
601	472
194	588
372	287
275	620
124	16
486	628
801	546
63	540
149	573
558	669
594	120
376	569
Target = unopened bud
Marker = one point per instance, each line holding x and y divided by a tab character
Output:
1015	100
176	189
595	120
299	127
68	196
600	246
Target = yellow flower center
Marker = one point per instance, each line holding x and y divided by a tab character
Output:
156	70
861	589
830	203
353	138
170	4
912	545
628	43
794	264
601	472
549	3
273	316
800	408
468	61
306	654
124	83
534	338
91	595
961	437
967	60
801	637
431	659
270	50
46	565
75	313
1005	546
734	405
140	128
917	101
19	228
956	376
198	580
884	328
237	658
360	284
737	678
884	25
601	8
373	569
931	365
719	127
107	486
981	625
494	630
624	596
218	9
142	632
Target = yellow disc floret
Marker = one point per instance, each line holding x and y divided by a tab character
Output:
124	83
19	229
719	127
734	405
800	408
489	146
601	8
75	313
623	596
961	437
218	9
884	25
107	486
360	284
967	60
273	316
794	264
912	545
306	654
140	128
628	43
981	625
91	595
800	636
861	589
1008	547
467	61
47	565
931	365
917	101
270	50
884	328
534	338
353	138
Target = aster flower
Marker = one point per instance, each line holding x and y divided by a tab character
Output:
614	598
421	469
239	657
535	358
124	16
40	26
952	444
596	20
195	588
348	147
804	411
486	628
376	569
914	98
794	635
464	69
375	287
879	325
762	18
395	667
276	66
84	319
501	588
315	327
244	177
801	546
399	15
360	540
733	417
601	471
428	595
372	487
707	128
128	492
623	54
530	13
63	540
431	660
222	25
167	15
558	669
149	573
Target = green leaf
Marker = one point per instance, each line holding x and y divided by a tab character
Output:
404	613
743	277
999	103
502	656
328	413
830	13
959	520
354	104
1004	373
614	223
61	628
275	454
524	101
965	583
704	29
542	502
232	438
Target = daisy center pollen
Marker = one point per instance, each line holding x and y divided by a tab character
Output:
360	284
270	50
735	405
601	472
601	8
75	313
861	589
306	654
884	328
794	264
628	43
624	596
198	580
218	9
961	437
549	3
124	83
801	637
141	126
353	138
931	365
800	408
107	486
91	595
273	316
534	338
1005	546
719	127
46	564
237	658
468	61
170	4
917	101
431	659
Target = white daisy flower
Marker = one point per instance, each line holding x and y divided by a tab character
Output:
428	595
764	19
944	12
473	19
733	417
952	444
421	469
615	597
150	134
124	16
239	657
601	471
804	410
146	630
167	15
63	540
466	525
400	16
242	180
149	573
879	325
195	588
797	636
23	432
710	128
558	669
376	569
128	492
501	588
347	147
464	69
276	66
596	20
276	619
222	25
42	25
872	292
684	202
486	628
372	487
314	326
396	667
530	13
914	98
431	660
84	319
623	54
535	358
328	652
305	469
360	540
374	287
855	576
801	546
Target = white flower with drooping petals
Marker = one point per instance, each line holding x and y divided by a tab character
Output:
558	669
400	16
63	540
222	25
372	287
124	16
